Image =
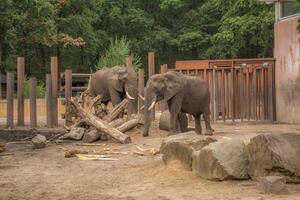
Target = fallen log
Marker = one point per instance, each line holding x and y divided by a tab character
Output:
101	125
129	125
117	110
91	136
117	122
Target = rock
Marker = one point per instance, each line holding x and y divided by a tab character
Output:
75	133
164	121
39	141
273	184
275	154
222	160
181	147
2	148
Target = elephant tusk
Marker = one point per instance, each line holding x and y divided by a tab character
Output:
152	105
141	97
130	97
142	107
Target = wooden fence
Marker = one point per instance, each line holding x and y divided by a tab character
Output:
241	89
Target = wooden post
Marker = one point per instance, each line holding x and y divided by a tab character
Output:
233	91
211	87
215	96
54	77
129	62
151	72
141	85
223	95
49	100
33	113
68	94
248	93
254	93
20	77
163	103
270	95
10	99
241	100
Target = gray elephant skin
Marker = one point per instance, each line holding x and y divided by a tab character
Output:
115	84
182	93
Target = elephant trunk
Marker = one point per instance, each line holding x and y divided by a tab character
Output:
150	100
131	90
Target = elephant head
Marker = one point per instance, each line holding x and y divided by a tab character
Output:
125	81
159	87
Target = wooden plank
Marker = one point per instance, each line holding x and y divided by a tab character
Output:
215	96
211	87
21	79
248	94
227	95
270	93
129	62
242	103
141	86
232	91
10	99
32	96
223	95
254	93
163	103
54	82
151	72
68	94
48	100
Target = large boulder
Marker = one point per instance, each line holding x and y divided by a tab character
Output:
222	160
181	147
164	121
275	154
39	141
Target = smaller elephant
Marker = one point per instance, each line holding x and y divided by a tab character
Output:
183	94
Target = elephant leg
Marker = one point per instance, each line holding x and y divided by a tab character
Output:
174	107
198	128
209	130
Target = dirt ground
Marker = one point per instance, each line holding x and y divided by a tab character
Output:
47	174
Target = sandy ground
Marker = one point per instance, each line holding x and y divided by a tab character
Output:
47	174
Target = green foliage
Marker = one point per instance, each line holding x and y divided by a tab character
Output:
116	55
81	32
40	89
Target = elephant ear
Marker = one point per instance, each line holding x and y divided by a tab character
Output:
116	83
173	84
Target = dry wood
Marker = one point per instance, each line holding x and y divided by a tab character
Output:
89	145
91	136
101	125
129	125
117	110
117	122
72	153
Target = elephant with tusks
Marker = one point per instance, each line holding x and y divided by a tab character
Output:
182	93
115	84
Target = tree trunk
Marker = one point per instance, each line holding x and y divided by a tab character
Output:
117	110
128	125
117	122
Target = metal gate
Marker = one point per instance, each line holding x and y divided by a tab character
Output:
241	89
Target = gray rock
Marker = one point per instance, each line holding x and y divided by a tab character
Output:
273	184
222	160
275	155
164	121
181	147
39	141
75	133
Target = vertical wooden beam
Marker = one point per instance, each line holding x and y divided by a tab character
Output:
248	93
20	77
49	101
254	93
223	95
32	96
68	94
211	88
10	99
141	86
233	91
270	95
129	62
242	103
215	96
163	103
151	72
262	93
54	81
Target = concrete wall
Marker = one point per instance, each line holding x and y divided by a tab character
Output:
287	54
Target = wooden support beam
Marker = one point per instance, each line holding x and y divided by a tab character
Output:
248	94
54	81
20	77
48	96
32	96
10	99
68	95
241	100
233	91
254	93
263	103
129	63
141	85
223	95
151	72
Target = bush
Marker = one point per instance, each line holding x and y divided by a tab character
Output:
116	55
40	89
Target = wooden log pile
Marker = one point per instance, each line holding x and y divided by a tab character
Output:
99	124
